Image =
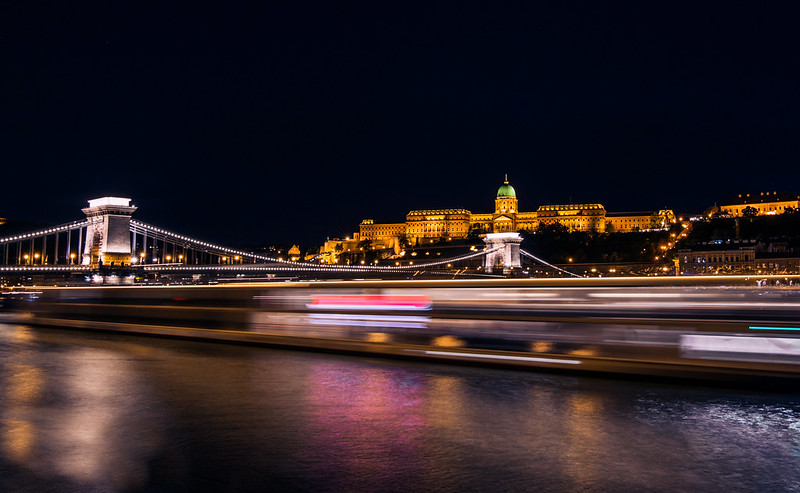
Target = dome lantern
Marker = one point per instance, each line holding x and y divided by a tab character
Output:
506	190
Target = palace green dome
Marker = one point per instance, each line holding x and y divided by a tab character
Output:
506	190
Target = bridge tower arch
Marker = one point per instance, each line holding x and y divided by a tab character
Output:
503	252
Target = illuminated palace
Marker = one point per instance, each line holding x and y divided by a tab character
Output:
764	204
428	226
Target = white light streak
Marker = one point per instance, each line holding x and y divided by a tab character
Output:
497	356
637	295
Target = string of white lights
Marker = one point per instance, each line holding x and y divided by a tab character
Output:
144	228
44	232
51	268
261	268
140	226
534	257
470	274
454	259
297	266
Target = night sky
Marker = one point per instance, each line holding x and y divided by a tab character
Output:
284	123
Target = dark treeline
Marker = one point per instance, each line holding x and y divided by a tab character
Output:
557	244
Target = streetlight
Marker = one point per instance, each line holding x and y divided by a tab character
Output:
26	258
35	257
142	255
180	258
72	258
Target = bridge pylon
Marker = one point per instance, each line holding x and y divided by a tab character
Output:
503	252
108	237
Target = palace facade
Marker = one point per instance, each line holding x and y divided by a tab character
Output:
764	204
431	225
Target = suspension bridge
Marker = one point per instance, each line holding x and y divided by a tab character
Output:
108	239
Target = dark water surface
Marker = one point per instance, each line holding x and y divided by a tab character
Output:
83	412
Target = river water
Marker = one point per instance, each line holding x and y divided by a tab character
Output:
84	412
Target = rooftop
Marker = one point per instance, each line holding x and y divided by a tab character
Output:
760	198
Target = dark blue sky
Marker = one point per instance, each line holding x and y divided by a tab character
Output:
290	123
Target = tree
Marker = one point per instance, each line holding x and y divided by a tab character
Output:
749	211
554	229
402	240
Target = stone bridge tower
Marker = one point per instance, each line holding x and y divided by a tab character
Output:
108	236
506	257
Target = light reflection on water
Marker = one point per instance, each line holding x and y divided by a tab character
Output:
88	412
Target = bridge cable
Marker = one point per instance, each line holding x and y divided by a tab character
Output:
44	232
534	257
139	226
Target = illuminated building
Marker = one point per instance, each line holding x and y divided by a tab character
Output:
422	225
386	231
625	222
742	260
727	260
765	204
432	225
332	248
294	253
576	217
438	223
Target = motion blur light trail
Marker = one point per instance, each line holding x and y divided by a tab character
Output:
644	326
